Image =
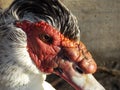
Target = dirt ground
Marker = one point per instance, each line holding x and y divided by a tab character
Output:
99	21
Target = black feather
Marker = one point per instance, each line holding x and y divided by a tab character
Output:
51	11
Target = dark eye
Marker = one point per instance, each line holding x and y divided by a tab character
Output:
46	38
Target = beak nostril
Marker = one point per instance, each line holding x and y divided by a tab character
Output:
78	69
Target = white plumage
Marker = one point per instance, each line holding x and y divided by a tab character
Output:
17	71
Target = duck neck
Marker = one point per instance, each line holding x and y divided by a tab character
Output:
17	70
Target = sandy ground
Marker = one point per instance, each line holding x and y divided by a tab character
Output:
5	3
99	21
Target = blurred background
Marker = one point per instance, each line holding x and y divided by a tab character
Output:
99	21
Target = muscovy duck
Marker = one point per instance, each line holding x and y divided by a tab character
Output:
39	37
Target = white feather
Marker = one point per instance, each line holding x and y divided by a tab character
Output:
17	70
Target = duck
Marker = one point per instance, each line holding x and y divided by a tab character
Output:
42	37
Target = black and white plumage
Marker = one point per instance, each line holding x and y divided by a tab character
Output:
51	11
17	70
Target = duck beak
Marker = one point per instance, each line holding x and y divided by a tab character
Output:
77	79
76	65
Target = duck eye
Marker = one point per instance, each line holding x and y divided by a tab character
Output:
46	38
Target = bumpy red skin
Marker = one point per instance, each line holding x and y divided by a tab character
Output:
45	55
